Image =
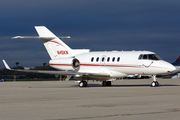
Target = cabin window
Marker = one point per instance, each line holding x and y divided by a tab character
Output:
97	59
103	59
92	59
118	59
113	59
108	59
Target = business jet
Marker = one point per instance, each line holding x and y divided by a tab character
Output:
104	66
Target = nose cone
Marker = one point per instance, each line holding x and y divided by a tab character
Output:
169	67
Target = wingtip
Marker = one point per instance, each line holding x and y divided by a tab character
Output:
6	65
16	37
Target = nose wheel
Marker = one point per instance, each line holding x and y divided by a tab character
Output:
155	82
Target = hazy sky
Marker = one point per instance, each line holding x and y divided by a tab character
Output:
99	25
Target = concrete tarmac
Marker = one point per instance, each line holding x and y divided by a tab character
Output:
64	100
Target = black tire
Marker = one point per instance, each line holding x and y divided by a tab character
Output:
104	83
157	84
153	84
108	83
83	84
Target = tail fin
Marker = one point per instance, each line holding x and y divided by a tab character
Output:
177	62
55	46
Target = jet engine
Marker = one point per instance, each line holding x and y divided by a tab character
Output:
67	64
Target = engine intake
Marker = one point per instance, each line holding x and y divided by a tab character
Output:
76	64
68	64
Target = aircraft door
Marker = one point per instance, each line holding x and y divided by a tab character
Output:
103	61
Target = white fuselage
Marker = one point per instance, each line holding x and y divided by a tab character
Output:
117	64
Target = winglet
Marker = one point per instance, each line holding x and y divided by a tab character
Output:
6	65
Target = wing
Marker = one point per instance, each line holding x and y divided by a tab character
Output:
77	74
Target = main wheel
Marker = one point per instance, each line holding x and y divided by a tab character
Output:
108	83
83	84
104	83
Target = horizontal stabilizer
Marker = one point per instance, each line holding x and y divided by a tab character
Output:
36	37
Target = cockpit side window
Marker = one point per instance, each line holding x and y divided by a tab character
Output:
153	57
140	57
145	57
148	57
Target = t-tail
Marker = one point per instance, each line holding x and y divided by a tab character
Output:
55	47
177	62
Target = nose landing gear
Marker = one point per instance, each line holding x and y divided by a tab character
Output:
155	82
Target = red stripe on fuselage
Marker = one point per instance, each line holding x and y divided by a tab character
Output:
60	64
95	65
107	65
90	65
120	66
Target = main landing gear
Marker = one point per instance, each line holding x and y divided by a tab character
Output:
155	82
83	84
106	83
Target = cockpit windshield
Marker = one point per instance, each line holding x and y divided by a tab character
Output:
149	57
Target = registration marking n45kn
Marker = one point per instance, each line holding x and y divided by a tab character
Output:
63	52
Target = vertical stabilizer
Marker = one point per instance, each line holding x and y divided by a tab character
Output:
55	46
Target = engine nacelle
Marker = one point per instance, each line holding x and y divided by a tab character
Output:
68	64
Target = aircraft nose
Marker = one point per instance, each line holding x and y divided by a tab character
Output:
170	67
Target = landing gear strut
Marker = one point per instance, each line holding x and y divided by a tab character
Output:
83	84
155	82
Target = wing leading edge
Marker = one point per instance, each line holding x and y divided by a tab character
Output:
78	74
